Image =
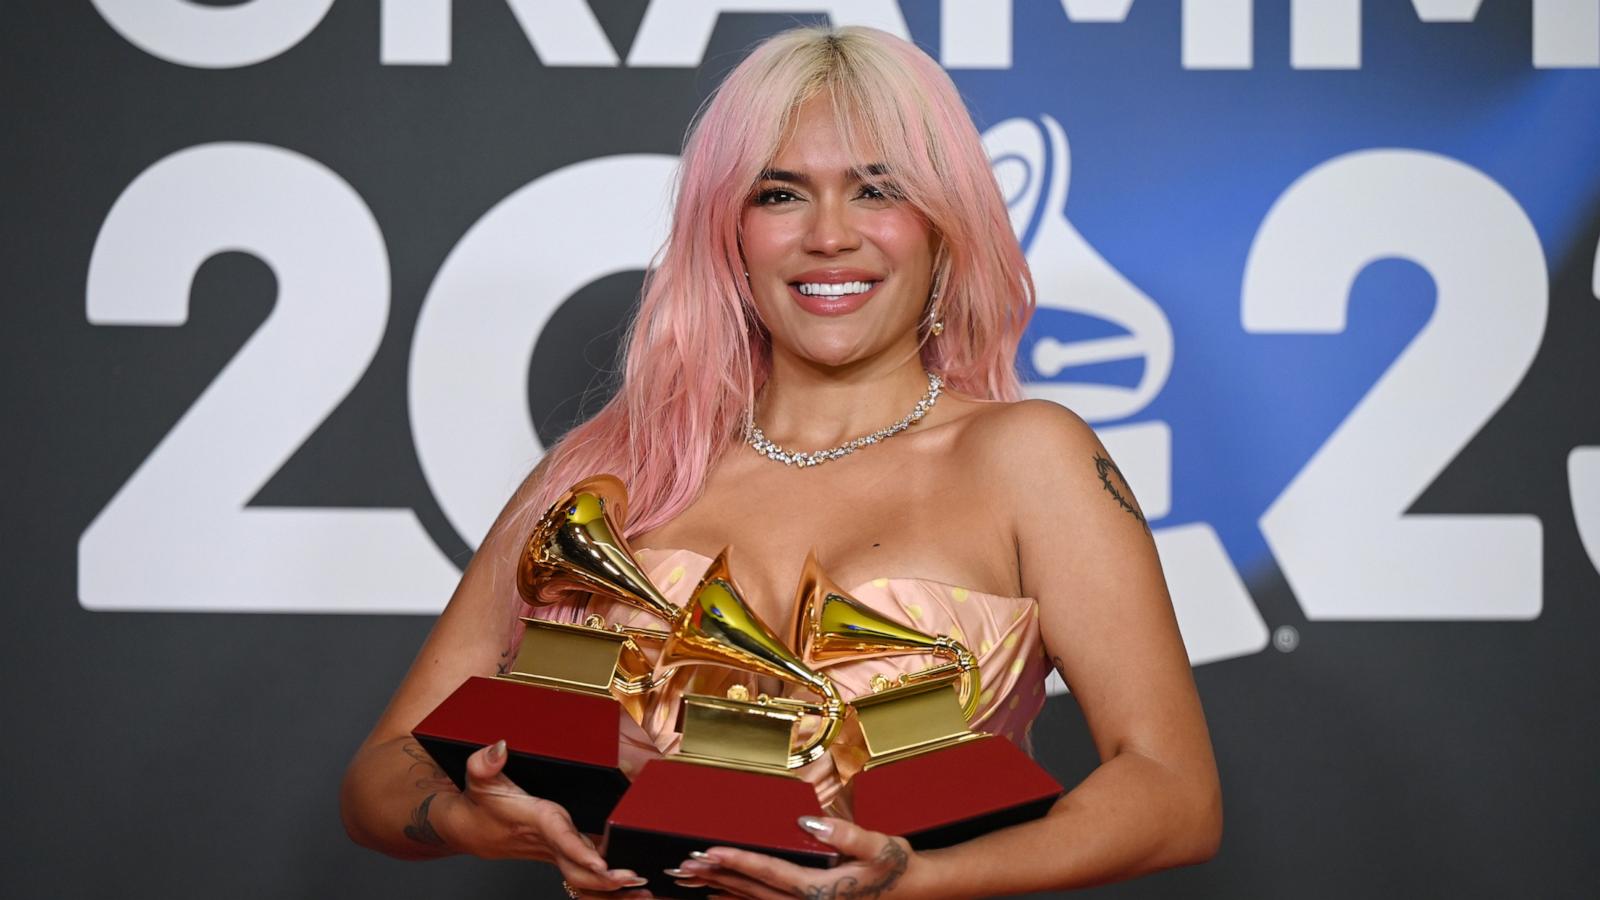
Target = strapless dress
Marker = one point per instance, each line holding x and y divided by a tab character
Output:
1002	633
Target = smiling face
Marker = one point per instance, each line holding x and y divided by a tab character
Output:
840	265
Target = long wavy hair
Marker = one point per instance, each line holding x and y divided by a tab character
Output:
697	354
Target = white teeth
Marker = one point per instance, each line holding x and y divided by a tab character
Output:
840	289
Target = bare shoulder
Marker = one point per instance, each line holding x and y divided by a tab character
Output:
1050	463
515	516
1037	420
1016	438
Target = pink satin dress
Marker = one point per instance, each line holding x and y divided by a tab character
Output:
1002	632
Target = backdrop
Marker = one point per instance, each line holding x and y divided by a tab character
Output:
298	290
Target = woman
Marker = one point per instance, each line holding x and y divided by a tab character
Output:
840	259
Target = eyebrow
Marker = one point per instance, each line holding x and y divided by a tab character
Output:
859	173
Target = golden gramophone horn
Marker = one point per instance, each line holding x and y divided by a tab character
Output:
829	625
718	628
578	544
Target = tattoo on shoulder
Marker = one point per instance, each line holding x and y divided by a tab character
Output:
420	829
892	856
1123	494
505	662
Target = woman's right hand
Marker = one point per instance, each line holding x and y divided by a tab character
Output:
495	819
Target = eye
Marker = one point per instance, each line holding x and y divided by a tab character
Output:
885	191
773	196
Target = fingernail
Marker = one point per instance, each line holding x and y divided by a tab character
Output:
689	883
703	857
636	881
622	874
678	873
497	750
819	827
696	866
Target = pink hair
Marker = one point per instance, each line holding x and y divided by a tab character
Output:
696	353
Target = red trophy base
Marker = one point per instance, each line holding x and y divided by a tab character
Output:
562	746
948	796
675	807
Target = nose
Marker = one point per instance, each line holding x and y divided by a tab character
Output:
830	230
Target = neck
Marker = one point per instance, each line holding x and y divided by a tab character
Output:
807	407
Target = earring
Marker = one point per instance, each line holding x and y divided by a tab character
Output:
937	328
936	321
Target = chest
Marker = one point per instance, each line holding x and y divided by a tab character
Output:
916	512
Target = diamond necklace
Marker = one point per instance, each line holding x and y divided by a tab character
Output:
757	440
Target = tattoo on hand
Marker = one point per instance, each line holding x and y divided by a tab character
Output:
893	856
1104	467
420	829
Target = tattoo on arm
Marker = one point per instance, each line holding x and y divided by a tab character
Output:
893	856
431	776
420	829
505	662
1105	468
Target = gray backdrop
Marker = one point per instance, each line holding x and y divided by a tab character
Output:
194	753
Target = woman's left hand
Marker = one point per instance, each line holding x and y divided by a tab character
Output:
877	865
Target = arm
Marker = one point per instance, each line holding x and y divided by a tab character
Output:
1086	553
393	794
395	800
1154	802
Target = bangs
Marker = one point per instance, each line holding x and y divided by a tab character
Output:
881	113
